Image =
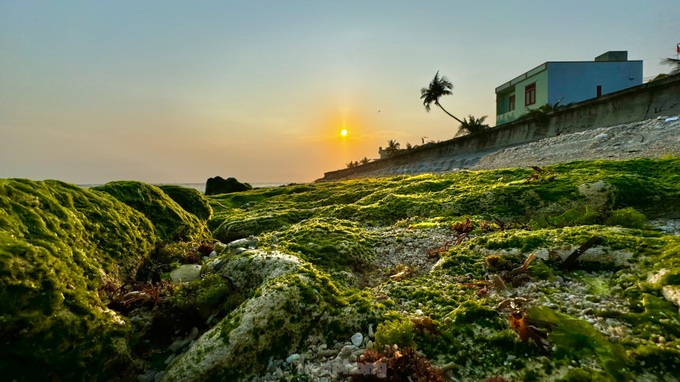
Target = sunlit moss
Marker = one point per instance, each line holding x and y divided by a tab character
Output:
397	331
190	200
171	222
58	245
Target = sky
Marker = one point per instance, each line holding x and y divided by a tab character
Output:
180	91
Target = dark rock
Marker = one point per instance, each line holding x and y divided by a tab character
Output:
219	185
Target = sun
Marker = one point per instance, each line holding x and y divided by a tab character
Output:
343	132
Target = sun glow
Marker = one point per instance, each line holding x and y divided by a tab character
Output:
343	132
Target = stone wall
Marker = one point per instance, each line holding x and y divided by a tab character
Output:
647	101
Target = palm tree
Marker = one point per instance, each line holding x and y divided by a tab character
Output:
438	87
474	125
392	147
674	62
364	160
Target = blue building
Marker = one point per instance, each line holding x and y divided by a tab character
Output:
566	82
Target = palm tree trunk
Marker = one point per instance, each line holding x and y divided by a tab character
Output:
450	115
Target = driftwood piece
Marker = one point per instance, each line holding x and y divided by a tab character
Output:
569	261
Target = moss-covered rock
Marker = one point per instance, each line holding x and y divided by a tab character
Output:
190	199
59	244
333	244
580	193
290	301
170	220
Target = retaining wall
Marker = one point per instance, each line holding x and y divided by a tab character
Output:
646	101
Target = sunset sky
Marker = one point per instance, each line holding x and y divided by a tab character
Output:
179	91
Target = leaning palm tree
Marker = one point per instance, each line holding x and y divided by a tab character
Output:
439	86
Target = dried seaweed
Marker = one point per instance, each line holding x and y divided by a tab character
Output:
398	365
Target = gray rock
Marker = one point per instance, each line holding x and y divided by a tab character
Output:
186	273
346	352
178	345
249	242
193	334
357	339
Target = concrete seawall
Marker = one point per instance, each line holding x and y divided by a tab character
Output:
647	101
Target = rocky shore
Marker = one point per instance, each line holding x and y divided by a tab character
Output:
565	272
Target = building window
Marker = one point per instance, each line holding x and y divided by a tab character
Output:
511	103
530	94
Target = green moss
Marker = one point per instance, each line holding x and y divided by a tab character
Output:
653	315
472	312
397	331
58	245
627	217
330	243
171	222
585	375
500	194
573	336
207	296
190	200
237	229
662	360
575	216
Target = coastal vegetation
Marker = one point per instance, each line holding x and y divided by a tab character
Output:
472	125
458	276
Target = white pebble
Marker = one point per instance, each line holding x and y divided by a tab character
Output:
357	339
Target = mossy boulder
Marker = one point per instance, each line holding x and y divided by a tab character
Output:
233	228
170	220
190	199
290	300
59	245
333	244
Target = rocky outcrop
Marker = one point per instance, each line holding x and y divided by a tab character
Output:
219	185
292	302
170	220
59	246
403	254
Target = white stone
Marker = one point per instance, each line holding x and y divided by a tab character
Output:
672	294
293	358
186	273
655	278
357	339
